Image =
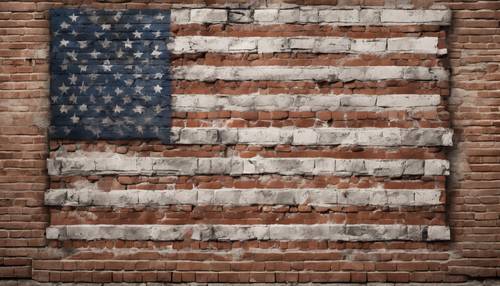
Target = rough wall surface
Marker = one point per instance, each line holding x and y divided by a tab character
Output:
472	191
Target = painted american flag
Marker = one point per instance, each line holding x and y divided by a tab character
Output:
246	116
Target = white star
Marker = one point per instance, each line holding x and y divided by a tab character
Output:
72	55
93	76
158	109
64	25
54	99
106	43
98	109
117	16
138	89
117	76
137	55
67	130
128	26
92	99
147	26
118	91
119	53
63	67
73	78
64	43
140	129
159	17
83	88
128	43
139	17
146	98
137	34
98	34
138	109
75	119
158	75
105	27
73	98
94	54
63	109
107	65
83	44
157	88
73	17
83	68
157	34
74	33
126	99
117	109
83	107
156	53
129	82
94	18
107	98
63	88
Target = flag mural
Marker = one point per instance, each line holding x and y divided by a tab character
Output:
258	124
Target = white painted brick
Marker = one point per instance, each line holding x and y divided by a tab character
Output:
180	16
368	45
302	43
385	168
198	136
413	45
175	166
208	15
413	167
331	45
349	167
408	100
358	100
369	16
305	136
273	45
240	16
75	166
243	45
438	232
428	197
265	15
288	16
436	167
324	166
333	16
308	15
415	16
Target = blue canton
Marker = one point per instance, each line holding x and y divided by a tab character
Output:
110	74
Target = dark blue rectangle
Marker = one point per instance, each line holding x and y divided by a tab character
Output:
110	74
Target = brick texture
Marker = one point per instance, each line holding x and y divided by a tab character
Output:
472	189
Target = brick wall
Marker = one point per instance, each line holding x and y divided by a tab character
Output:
473	188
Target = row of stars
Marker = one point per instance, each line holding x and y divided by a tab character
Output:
94	18
83	88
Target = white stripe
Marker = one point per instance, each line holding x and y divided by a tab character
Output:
300	102
293	73
224	232
214	44
101	163
324	15
271	136
244	197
